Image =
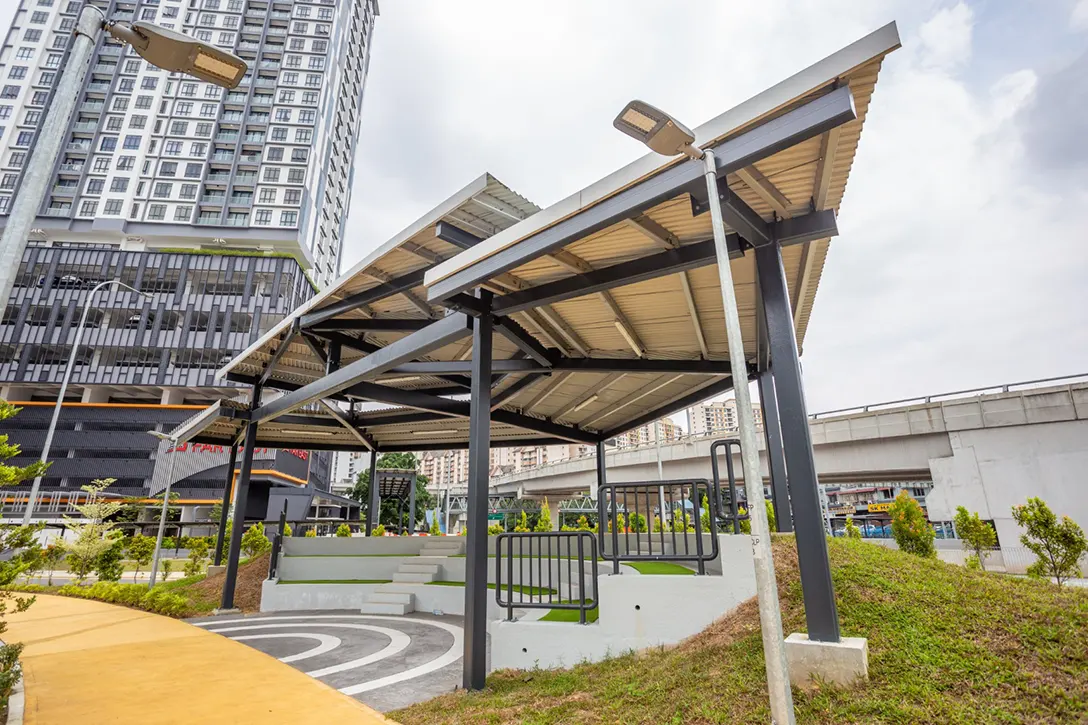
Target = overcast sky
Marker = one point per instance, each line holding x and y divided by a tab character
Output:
962	256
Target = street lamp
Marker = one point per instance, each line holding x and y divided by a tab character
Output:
165	502
665	135
64	388
158	46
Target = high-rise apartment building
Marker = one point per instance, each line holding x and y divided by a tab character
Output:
719	417
224	209
649	433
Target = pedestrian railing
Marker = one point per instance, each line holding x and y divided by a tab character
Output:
726	499
546	570
277	543
657	521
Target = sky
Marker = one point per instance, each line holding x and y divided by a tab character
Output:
962	259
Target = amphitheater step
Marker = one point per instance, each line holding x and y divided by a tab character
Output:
385	608
405	577
418	568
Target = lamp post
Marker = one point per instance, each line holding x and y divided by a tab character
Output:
665	135
161	47
165	502
64	388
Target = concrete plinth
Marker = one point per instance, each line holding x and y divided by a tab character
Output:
213	570
841	663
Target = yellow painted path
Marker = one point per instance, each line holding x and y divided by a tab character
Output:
89	662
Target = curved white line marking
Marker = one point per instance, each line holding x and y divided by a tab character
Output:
327	643
449	657
398	642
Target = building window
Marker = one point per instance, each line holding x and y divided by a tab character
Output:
156	211
208	110
125	163
179	128
262	216
303	135
183	108
132	142
114	123
182	213
283	114
274	154
137	121
299	156
268	196
287	96
272	175
143	101
88	208
101	165
193	171
288	218
119	185
279	134
95	186
306	116
172	148
168	168
163	189
149	83
113	207
290	79
24	138
188	191
292	196
203	129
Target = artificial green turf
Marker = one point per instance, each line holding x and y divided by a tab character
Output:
345	556
570	615
946	645
531	591
659	567
336	581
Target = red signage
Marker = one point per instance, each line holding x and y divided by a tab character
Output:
208	448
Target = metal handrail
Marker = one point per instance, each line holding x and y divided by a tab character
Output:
580	547
728	444
665	500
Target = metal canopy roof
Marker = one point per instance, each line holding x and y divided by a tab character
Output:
608	302
395	482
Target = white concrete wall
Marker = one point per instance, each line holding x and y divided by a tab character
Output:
359	545
636	612
993	469
429	598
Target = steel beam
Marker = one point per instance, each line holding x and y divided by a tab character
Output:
387	289
642	365
738	152
241	499
374	325
342	419
601	480
464	367
686	401
754	179
441	333
379	419
525	342
374	507
693	313
515	388
439	445
455	235
821	613
776	461
224	506
288	335
479	481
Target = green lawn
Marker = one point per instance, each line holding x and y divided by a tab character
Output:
946	645
336	581
531	591
344	556
659	567
570	615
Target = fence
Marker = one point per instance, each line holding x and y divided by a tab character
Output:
733	516
277	543
545	554
675	505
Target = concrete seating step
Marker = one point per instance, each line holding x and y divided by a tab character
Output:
385	608
412	577
391	598
419	568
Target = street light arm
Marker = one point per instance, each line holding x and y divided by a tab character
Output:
127	34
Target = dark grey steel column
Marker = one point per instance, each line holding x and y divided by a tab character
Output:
602	508
479	463
412	509
241	497
776	461
821	613
373	509
224	512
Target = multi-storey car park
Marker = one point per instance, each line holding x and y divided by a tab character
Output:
224	209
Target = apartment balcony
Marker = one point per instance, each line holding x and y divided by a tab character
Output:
253	159
213	199
245	179
209	221
226	137
222	156
249	45
104	69
266	83
110	50
123	16
59	211
232	117
71	168
242	200
263	101
276	31
280	15
98	87
269	65
78	148
238	222
244	83
261	119
217	178
254	138
92	107
61	190
257	14
87	127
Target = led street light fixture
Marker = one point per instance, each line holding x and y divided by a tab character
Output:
180	53
657	129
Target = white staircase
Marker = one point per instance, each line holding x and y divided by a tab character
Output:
393	598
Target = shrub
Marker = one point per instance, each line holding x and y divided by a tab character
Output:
287	530
523	524
852	529
140	549
254	542
198	554
343	530
157	600
637	523
621	523
657	525
464	531
1057	544
494	529
226	540
378	530
977	536
52	555
108	563
704	517
910	529
584	525
167	565
310	533
435	531
746	525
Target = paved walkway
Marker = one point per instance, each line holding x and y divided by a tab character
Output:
89	662
387	662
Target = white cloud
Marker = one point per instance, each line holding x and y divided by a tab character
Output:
1078	19
944	41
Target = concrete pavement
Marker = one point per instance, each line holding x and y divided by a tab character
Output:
89	662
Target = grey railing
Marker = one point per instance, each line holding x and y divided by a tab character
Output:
542	560
719	495
677	505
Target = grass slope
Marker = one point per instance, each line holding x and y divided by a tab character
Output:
946	645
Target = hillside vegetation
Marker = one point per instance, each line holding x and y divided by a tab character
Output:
946	645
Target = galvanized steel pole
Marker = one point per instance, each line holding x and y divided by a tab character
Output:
39	169
162	516
770	617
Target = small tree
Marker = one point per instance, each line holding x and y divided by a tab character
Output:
544	521
704	517
343	530
108	565
657	525
523	524
772	521
254	542
584	525
1057	544
91	531
621	524
140	549
494	529
637	522
435	531
287	530
746	524
910	528
852	530
198	554
166	565
378	530
976	535
52	555
311	533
